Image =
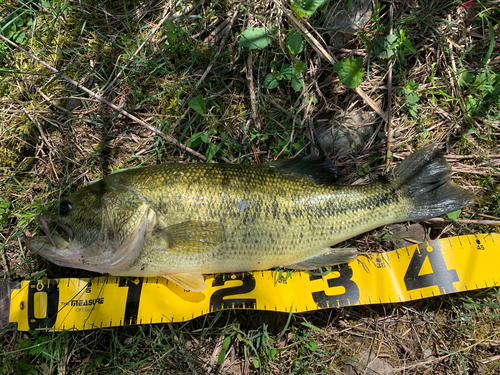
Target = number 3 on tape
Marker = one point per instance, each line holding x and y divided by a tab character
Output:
349	297
423	259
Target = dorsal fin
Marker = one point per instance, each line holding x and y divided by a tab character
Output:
321	171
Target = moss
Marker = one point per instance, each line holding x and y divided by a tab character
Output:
12	145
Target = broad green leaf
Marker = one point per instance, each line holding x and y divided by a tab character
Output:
205	137
297	83
170	26
385	46
295	42
286	72
454	215
8	30
270	82
305	8
198	104
412	98
256	37
300	67
350	71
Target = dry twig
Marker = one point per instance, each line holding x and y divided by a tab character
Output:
463	221
251	89
389	105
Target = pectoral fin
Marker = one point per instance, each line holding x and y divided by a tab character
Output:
191	237
189	281
330	258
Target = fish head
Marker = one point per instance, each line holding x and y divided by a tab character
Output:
99	228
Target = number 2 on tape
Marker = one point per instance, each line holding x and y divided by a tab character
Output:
218	300
440	276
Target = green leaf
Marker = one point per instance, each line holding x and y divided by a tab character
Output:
350	71
312	345
223	351
385	46
454	215
298	145
276	148
256	363
466	78
198	104
172	34
273	354
300	67
256	37
195	140
295	42
270	82
170	26
363	170
305	8
286	72
367	42
205	137
24	364
297	83
211	151
19	37
412	98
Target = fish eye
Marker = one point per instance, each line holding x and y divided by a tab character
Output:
65	208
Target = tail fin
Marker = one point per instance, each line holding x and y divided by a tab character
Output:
424	177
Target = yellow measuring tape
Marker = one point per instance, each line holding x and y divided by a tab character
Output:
433	268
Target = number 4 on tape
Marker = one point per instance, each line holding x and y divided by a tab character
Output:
428	268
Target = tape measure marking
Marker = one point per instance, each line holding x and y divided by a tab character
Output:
420	271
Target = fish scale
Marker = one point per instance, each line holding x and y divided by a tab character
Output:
184	220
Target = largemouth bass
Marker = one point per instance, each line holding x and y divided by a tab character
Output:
181	221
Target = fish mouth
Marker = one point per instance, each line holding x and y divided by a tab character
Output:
56	244
57	233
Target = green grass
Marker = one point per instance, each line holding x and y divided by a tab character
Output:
55	138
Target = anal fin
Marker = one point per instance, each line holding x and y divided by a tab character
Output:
188	281
329	258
